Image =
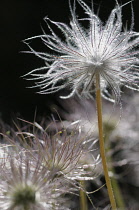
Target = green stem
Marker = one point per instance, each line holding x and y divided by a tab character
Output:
114	182
83	198
118	194
101	143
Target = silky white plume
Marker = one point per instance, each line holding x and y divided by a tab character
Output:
109	50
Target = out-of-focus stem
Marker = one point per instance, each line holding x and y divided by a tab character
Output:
101	143
117	191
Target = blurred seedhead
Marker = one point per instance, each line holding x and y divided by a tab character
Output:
45	162
25	183
61	151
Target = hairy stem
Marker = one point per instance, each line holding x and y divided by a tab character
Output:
101	143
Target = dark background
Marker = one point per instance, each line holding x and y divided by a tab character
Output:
23	19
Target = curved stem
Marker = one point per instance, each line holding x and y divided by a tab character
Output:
101	143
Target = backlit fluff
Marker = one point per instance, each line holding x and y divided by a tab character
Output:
24	183
109	50
63	154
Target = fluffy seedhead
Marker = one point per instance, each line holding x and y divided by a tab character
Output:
43	165
62	152
24	183
109	50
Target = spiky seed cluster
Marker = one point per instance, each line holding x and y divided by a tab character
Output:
107	50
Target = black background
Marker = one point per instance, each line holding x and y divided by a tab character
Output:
21	19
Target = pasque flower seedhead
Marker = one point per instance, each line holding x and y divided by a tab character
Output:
24	183
62	152
109	50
